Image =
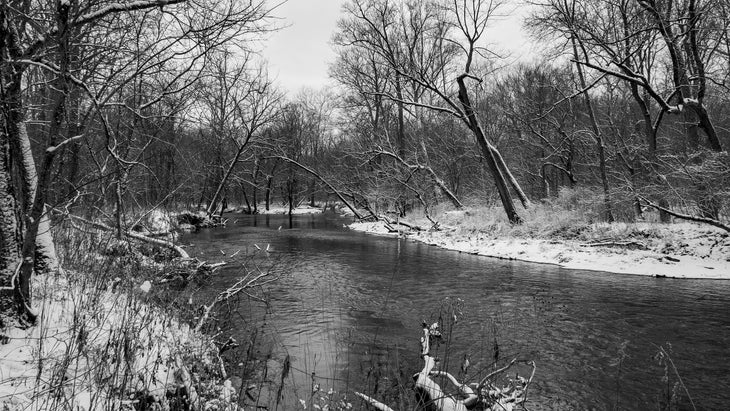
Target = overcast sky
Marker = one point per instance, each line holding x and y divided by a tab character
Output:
300	53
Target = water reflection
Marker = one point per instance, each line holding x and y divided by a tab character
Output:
347	300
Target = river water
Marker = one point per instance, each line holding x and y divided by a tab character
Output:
347	307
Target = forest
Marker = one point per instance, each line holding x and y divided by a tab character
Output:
112	109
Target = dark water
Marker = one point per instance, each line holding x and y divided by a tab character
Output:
348	306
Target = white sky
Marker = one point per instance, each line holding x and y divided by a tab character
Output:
299	54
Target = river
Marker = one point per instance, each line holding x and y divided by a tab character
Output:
347	306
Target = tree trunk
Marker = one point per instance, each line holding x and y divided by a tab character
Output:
312	189
269	180
249	210
441	184
488	153
45	253
75	146
255	186
214	200
597	135
401	123
32	198
327	183
9	229
40	190
511	178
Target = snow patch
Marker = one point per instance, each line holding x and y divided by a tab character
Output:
88	341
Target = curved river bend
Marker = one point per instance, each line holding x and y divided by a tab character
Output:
348	303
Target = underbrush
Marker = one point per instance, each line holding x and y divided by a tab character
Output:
106	338
575	214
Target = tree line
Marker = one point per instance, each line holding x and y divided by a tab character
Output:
109	109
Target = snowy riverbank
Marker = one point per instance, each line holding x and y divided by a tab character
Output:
681	250
103	346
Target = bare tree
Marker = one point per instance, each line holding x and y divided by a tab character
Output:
632	42
179	34
240	101
420	43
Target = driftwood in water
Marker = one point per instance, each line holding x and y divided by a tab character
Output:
484	393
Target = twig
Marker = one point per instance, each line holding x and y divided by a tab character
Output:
240	286
527	384
493	373
375	403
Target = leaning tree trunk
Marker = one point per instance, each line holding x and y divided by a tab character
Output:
511	178
488	153
327	183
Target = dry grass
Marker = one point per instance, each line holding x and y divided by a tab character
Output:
575	215
100	344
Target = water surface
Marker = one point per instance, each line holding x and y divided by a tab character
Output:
348	308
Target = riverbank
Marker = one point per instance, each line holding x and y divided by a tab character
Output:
299	210
678	250
104	345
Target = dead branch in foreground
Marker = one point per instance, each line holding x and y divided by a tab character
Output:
247	282
486	393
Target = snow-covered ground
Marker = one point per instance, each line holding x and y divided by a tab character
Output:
681	250
279	209
88	345
302	209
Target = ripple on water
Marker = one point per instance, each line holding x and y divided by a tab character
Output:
348	302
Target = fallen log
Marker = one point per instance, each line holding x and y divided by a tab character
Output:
137	236
636	244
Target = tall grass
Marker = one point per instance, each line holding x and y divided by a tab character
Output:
100	343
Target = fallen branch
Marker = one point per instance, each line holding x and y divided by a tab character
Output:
389	221
484	395
375	403
438	397
697	219
615	244
239	287
493	373
325	182
131	234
